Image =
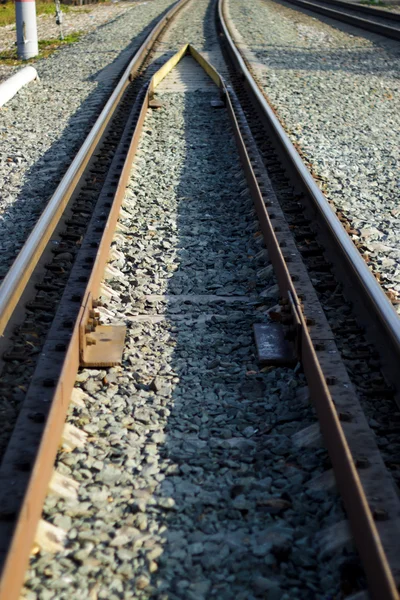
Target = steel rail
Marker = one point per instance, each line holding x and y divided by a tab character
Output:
21	270
46	437
380	578
368	10
371	299
373	26
39	477
41	440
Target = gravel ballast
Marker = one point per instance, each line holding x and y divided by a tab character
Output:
337	94
192	481
43	126
78	20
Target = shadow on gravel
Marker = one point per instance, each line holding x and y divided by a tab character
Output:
354	61
42	178
239	519
191	484
209	26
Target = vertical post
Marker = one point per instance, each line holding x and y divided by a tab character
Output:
59	18
25	17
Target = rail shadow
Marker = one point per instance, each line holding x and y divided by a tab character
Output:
209	26
233	507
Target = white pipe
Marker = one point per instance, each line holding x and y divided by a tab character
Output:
10	86
25	19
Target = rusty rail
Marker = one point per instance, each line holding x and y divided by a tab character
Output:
20	272
373	307
22	494
379	572
29	490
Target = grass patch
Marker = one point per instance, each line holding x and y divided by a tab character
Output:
46	47
43	7
372	2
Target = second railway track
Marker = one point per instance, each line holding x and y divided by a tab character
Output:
382	22
197	469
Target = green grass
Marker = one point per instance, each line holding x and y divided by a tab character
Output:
372	2
43	7
46	47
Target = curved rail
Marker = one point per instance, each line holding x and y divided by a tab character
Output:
351	19
21	270
380	577
367	10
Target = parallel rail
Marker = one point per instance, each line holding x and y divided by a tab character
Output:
373	306
366	10
32	487
352	19
22	493
20	272
381	320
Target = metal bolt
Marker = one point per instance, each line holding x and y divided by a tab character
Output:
89	327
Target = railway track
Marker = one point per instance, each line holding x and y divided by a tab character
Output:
373	19
94	233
